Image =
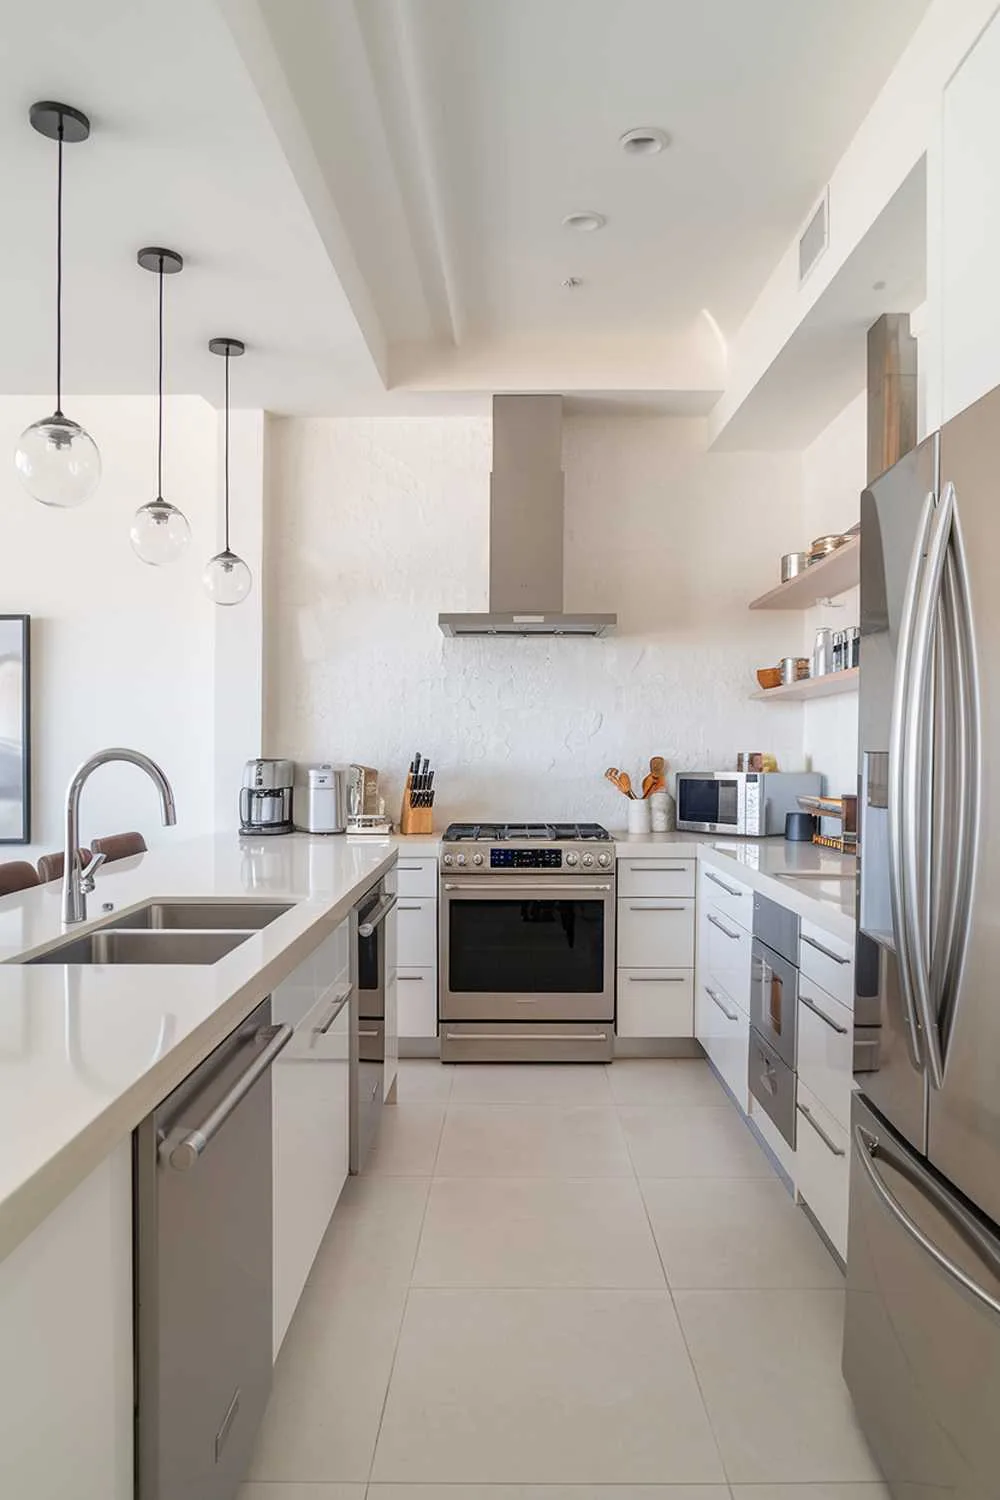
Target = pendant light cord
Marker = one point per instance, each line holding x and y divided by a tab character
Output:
59	203
159	387
227	450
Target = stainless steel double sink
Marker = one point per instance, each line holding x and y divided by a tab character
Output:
166	932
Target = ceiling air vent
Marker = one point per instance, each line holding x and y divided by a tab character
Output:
815	237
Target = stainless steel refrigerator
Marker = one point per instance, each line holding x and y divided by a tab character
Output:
922	1330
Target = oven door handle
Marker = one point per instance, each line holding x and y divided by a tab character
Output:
485	884
367	928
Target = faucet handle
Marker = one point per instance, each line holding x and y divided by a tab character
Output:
89	871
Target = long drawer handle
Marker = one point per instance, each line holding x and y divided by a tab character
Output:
658	908
731	890
657	978
369	1033
826	952
568	887
723	928
339	1002
184	1153
418	906
410	869
830	1145
527	1036
660	870
730	1015
416	978
833	1025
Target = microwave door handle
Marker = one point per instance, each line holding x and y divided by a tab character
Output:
900	736
244	804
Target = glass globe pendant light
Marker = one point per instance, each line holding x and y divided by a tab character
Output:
56	460
227	578
159	531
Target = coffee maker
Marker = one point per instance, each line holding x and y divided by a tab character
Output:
266	797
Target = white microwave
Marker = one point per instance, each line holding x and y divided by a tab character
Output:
749	804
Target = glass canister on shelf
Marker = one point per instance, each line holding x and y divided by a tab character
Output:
822	657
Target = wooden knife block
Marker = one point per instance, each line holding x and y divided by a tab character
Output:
414	819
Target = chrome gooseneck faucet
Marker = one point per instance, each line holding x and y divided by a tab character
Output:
78	882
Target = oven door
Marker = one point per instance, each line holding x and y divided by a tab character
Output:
711	804
527	949
774	999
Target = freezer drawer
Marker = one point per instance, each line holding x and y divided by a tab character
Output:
922	1330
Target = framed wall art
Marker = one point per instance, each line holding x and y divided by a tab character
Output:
15	729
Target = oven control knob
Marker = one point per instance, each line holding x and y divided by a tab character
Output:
477	859
446	860
604	860
588	860
572	858
460	859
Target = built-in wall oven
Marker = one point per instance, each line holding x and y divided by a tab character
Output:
370	963
527	943
774	998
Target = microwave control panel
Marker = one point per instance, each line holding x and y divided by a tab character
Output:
751	810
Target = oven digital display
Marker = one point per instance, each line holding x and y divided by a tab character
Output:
525	859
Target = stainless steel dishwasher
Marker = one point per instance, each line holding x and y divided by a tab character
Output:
203	1270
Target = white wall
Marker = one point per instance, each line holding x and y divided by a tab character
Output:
121	653
833	475
375	526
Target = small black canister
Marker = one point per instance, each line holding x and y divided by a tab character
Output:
799	827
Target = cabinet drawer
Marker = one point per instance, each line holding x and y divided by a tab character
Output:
418	1001
416	877
826	1049
656	877
724	1032
726	953
729	896
827	961
655	934
822	1167
416	933
655	1002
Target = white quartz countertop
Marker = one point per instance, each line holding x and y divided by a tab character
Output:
87	1051
818	884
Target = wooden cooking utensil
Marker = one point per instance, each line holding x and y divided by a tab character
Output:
620	780
656	780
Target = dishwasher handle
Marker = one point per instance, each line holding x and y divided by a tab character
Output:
182	1148
367	928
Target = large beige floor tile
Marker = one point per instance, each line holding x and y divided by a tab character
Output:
373	1235
533	1232
532	1140
692	1142
769	1367
552	1492
530	1083
303	1492
666	1082
544	1387
741	1232
423	1080
808	1492
407	1140
329	1385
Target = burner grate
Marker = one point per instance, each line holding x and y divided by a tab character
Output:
526	832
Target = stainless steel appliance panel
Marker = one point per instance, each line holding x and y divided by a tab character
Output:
492	1041
774	998
922	1327
888	1046
773	1084
203	1273
964	1118
368	964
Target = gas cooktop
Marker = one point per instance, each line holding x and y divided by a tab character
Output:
496	833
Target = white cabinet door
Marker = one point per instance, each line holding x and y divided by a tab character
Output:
655	934
66	1396
725	1036
417	994
416	877
726	954
655	1002
730	897
826	1049
822	1167
656	877
828	961
417	932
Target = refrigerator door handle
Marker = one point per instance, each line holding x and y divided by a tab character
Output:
900	738
867	1148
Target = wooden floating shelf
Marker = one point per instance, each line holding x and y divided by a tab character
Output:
812	687
834	574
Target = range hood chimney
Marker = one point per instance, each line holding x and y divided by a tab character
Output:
526	529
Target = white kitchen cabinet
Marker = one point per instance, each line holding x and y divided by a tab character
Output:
656	877
655	933
66	1413
822	1167
722	980
729	896
826	1049
724	1031
655	1002
417	929
416	877
417	1001
726	950
828	961
310	1089
417	950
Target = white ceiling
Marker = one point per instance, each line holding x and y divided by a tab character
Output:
363	186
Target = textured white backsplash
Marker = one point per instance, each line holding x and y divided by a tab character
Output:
374	526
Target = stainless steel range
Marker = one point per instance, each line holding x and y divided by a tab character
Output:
527	942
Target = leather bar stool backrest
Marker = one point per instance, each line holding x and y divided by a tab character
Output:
50	866
119	846
17	875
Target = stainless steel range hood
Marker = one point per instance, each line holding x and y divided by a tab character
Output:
526	529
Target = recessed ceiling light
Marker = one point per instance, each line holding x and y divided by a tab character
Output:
586	220
644	140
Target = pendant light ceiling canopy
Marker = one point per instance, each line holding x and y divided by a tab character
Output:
159	531
227	578
56	459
